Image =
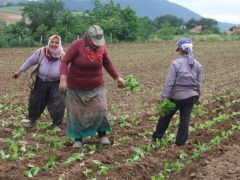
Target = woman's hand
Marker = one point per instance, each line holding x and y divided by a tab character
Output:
63	84
16	74
199	101
120	82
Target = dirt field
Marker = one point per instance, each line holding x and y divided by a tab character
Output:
10	18
212	150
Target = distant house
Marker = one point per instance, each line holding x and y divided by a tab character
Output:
227	32
196	29
235	29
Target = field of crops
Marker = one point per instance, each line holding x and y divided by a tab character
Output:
212	150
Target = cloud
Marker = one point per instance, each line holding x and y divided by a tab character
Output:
221	10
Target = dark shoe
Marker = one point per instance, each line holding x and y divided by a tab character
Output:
30	124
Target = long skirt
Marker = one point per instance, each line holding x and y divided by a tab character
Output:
87	112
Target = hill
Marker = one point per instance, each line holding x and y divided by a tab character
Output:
149	8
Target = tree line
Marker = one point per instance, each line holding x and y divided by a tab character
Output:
40	19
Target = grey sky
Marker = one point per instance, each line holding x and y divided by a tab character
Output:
220	10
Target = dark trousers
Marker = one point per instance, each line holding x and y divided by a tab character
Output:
185	106
46	94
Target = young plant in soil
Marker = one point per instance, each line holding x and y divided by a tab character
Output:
74	157
51	163
103	168
4	155
87	172
33	171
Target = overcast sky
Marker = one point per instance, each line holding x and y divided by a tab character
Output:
220	10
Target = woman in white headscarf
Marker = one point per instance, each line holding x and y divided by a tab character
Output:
183	88
46	92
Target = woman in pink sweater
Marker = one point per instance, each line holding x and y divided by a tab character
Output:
82	80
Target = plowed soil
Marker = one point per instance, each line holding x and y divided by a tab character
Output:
149	63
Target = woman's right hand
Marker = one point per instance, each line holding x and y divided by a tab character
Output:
16	74
63	84
199	101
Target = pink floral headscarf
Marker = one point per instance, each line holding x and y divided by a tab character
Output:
55	53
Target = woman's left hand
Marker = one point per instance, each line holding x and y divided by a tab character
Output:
120	82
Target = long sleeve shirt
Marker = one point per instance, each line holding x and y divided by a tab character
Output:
182	81
47	71
83	74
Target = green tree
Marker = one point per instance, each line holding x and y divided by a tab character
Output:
192	23
41	32
68	26
44	12
168	19
118	23
147	28
130	25
209	25
166	32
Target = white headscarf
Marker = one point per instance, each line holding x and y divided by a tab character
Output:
186	45
58	52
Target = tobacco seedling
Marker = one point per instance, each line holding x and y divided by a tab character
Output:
132	84
87	172
4	156
137	154
74	157
165	107
51	163
32	172
182	155
103	168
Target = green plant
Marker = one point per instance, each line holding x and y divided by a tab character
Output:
103	169
18	133
132	84
51	163
32	172
172	167
92	148
124	121
74	157
14	147
200	148
137	154
30	154
87	171
182	155
4	156
153	118
124	138
216	140
165	107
